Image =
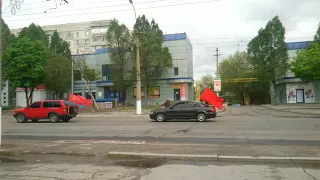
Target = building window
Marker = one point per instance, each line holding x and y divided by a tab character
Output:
87	33
176	71
4	97
77	34
77	42
69	34
87	41
102	38
4	93
78	51
4	102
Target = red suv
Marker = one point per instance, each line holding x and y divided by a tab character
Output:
54	110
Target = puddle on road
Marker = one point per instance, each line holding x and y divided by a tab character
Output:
3	159
144	163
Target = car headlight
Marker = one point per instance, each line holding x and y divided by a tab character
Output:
151	112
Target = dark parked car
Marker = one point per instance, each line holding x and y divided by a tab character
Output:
184	110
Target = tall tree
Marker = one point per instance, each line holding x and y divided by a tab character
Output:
24	63
155	60
206	82
119	42
87	74
8	37
240	67
34	33
268	52
8	40
317	35
306	65
58	46
59	65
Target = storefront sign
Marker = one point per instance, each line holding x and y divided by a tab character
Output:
183	91
217	85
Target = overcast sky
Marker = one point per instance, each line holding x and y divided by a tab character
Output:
226	24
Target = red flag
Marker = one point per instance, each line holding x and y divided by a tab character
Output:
85	102
209	96
73	98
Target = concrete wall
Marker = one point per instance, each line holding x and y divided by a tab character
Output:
281	89
316	86
38	95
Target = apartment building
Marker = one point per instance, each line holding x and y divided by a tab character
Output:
291	89
84	37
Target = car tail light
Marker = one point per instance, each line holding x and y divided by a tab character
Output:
213	110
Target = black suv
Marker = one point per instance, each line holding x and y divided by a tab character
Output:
184	110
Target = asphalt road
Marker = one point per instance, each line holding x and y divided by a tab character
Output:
239	125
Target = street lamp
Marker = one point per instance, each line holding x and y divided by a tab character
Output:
138	88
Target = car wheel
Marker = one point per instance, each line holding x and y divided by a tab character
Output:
201	117
66	119
160	117
54	118
21	118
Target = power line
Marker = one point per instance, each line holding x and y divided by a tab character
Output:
82	10
117	5
103	12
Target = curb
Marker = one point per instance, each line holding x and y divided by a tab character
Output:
281	110
218	158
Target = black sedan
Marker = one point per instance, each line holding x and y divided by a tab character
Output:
184	110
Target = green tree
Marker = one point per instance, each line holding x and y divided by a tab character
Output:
119	41
306	65
8	40
206	82
8	37
34	33
155	60
317	36
58	68
268	52
24	63
240	67
58	46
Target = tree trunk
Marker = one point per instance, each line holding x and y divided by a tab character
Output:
126	98
148	102
275	92
90	93
27	97
31	95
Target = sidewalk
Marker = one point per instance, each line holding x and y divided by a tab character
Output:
310	109
103	147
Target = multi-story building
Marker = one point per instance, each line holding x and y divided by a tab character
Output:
290	88
84	38
89	38
176	84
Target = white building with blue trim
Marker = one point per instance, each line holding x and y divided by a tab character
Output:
176	84
290	88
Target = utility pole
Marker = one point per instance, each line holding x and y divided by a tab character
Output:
138	84
217	65
1	54
217	61
72	76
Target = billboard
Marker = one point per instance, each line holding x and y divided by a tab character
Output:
217	85
154	92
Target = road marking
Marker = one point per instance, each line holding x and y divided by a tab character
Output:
102	141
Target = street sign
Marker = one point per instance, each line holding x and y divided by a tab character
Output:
217	85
